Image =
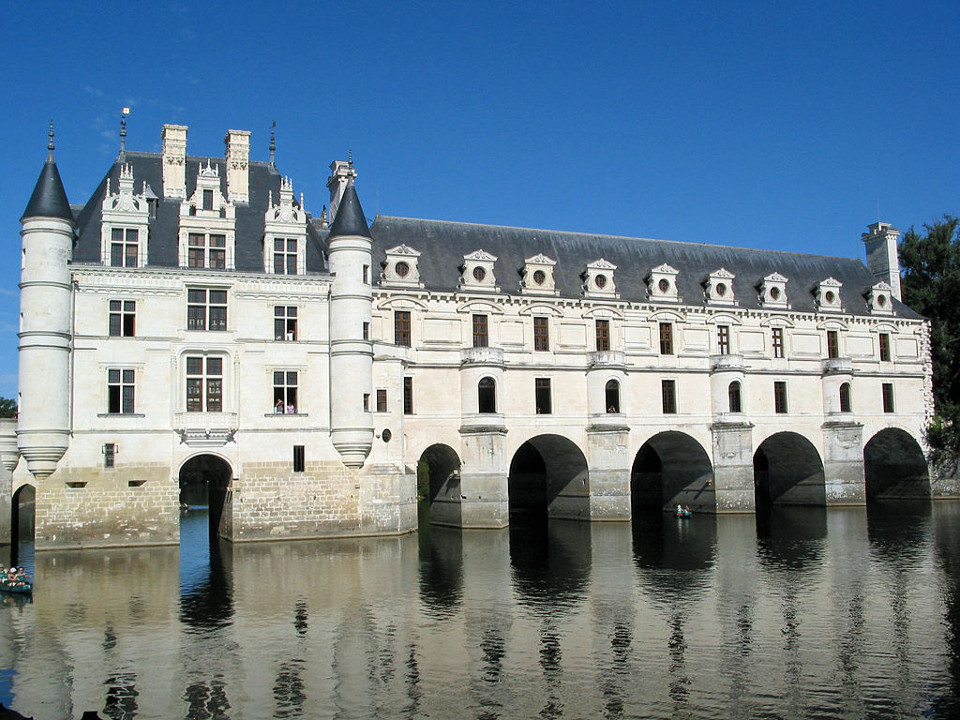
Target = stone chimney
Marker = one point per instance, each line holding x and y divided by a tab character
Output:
340	173
174	157
882	256
238	165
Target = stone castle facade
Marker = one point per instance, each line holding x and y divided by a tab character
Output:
194	324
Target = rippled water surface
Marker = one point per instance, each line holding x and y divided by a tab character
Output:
807	613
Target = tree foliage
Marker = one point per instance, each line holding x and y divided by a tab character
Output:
8	408
931	285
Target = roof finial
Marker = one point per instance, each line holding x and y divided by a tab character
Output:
350	157
273	141
123	131
50	134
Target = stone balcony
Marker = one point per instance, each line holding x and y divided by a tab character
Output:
837	366
607	422
472	423
607	359
198	429
726	363
481	356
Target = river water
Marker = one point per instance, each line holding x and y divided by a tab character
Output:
805	613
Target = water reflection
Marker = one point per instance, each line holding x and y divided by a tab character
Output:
805	613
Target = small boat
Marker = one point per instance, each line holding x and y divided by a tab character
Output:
683	512
20	587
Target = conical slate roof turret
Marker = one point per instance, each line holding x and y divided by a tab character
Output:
350	219
49	199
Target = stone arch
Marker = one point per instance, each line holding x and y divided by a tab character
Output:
787	470
207	477
438	485
894	467
23	515
672	468
549	476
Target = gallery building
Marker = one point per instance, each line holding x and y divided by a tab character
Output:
193	324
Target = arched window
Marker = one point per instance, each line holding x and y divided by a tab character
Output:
613	396
733	397
487	395
845	397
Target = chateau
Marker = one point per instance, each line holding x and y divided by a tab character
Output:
192	324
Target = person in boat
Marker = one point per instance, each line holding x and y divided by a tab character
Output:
679	511
687	511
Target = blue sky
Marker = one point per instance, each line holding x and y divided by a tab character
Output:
756	124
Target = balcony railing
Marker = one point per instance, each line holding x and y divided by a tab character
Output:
721	363
199	429
837	365
481	356
607	358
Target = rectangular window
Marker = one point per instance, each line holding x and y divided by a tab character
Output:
366	274
543	397
204	384
887	389
123	315
109	454
285	391
408	396
777	342
299	458
480	337
723	339
366	402
284	322
666	339
206	309
124	246
381	400
780	397
668	393
206	251
833	344
603	335
541	334
119	391
284	256
208	199
401	328
884	347
365	331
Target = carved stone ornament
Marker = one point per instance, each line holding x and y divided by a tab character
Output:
476	273
662	284
718	289
598	279
401	267
828	295
538	276
773	291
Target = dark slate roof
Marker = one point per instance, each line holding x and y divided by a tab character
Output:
163	240
349	219
49	199
443	246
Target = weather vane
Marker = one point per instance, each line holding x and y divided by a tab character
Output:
123	127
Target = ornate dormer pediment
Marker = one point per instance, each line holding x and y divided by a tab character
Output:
476	272
207	224
538	276
598	279
401	267
286	211
773	291
879	299
285	234
827	294
662	284
125	219
718	289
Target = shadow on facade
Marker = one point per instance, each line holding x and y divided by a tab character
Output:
787	470
894	467
671	469
438	483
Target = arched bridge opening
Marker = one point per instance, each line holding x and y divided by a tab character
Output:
787	470
549	478
671	469
894	467
204	480
438	485
22	522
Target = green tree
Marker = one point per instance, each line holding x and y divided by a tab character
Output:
8	408
931	286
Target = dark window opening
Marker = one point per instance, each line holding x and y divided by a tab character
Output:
401	328
480	336
845	398
668	392
733	397
486	395
299	458
666	339
887	389
833	344
612	396
780	397
542	396
381	400
408	396
603	335
541	334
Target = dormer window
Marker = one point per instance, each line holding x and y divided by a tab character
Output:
538	276
476	273
207	225
124	247
878	299
662	284
598	279
828	295
285	234
719	287
401	267
124	224
208	199
773	291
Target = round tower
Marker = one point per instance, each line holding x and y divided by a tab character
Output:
43	428
351	351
